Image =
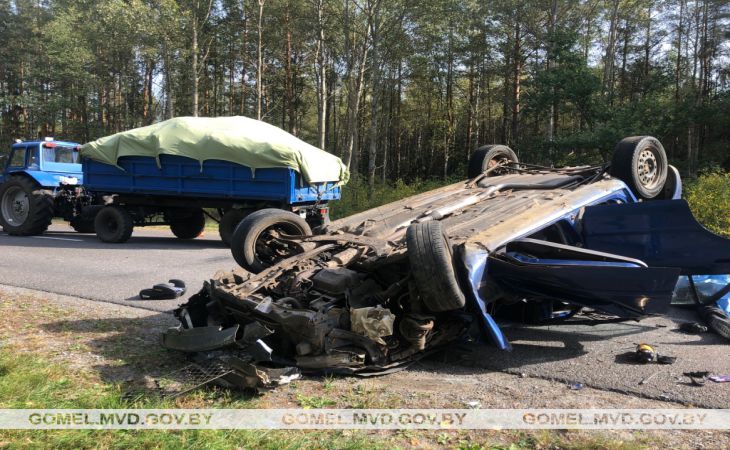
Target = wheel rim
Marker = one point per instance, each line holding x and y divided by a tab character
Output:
648	169
496	161
111	225
270	249
15	206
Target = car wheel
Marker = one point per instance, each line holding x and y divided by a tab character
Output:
229	222
254	245
488	156
190	226
24	209
113	225
641	163
431	258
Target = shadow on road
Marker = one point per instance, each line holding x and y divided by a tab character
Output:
73	240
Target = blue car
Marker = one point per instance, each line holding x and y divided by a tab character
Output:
384	286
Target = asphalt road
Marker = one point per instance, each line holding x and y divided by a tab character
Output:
65	262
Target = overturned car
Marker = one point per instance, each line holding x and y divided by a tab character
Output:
374	291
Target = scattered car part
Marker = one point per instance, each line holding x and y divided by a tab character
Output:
645	353
372	322
697	378
720	378
488	157
641	162
164	291
255	244
692	327
200	339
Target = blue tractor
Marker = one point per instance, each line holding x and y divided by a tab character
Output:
40	180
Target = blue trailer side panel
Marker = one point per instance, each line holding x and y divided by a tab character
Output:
183	177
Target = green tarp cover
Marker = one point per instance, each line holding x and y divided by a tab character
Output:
239	140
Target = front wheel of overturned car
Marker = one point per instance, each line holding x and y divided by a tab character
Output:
488	157
431	258
641	163
25	209
254	244
113	225
188	226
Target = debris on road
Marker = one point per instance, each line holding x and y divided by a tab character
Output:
692	327
647	379
645	353
720	378
164	291
575	386
697	378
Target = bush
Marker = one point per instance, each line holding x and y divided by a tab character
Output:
709	199
357	197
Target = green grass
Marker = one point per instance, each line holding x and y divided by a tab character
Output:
31	381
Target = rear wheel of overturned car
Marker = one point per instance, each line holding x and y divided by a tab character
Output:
113	225
229	222
641	163
431	258
489	156
188	226
255	244
25	209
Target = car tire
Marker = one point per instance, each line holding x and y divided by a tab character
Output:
432	267
641	163
249	245
37	207
672	189
487	156
229	222
188	226
114	225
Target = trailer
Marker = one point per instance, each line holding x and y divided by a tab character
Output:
178	192
175	173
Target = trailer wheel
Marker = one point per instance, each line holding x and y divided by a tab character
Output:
229	222
641	163
188	227
82	224
254	245
114	225
488	156
25	209
431	258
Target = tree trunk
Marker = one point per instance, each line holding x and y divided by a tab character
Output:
260	59
374	19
